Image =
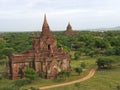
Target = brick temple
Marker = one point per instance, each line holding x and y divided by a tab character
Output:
44	57
69	31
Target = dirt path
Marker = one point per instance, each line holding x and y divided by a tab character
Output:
91	73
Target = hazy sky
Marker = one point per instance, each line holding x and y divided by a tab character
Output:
27	15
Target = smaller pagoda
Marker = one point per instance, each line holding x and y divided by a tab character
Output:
69	31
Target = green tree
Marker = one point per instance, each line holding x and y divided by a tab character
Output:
8	51
101	43
2	46
104	62
117	50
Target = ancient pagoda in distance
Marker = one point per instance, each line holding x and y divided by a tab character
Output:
69	31
44	57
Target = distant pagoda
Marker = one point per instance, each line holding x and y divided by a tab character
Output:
69	31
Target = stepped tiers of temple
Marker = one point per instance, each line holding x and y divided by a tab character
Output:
69	31
44	57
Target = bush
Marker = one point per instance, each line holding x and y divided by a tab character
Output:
104	62
78	70
31	74
83	65
22	82
63	74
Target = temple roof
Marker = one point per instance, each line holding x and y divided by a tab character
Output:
69	31
46	36
45	27
45	23
69	27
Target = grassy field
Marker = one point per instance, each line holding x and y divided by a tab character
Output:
102	80
105	80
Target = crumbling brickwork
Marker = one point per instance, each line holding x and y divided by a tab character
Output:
45	58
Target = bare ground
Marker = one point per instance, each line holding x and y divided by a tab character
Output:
91	73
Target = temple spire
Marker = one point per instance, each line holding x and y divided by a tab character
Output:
69	27
45	27
45	23
45	19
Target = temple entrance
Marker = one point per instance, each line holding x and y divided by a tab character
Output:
20	72
49	47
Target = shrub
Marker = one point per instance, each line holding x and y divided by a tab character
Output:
31	74
83	65
63	74
78	70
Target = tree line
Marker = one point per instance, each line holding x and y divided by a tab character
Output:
86	43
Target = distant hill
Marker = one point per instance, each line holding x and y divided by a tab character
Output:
103	29
112	28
